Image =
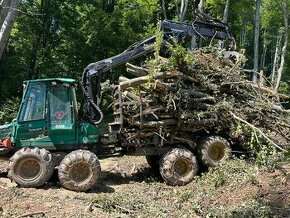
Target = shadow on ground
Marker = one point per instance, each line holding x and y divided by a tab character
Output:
145	174
111	178
3	174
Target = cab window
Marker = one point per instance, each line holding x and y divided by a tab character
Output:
33	107
60	105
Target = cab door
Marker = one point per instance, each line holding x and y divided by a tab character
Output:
32	118
62	125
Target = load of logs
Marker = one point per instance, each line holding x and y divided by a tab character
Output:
205	92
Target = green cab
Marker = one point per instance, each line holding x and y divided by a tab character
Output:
48	118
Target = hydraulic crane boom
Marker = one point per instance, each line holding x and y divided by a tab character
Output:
211	29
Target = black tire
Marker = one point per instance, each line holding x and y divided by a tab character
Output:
79	170
31	167
153	161
214	150
178	166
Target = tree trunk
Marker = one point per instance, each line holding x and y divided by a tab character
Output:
276	57
201	5
4	7
225	19
194	37
36	43
183	9
243	36
284	49
263	60
226	11
256	41
164	9
7	25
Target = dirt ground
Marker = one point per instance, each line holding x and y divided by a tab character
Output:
129	188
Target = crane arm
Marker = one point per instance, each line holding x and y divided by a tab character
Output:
212	29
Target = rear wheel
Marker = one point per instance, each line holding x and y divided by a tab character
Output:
79	170
178	166
214	150
31	167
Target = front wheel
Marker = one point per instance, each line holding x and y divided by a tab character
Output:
31	167
79	170
178	166
214	150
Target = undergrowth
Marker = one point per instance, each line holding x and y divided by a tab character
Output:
204	197
9	109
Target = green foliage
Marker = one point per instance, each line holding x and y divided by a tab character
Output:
264	151
157	45
118	204
9	109
132	203
243	171
272	16
153	64
60	38
180	55
256	207
284	88
227	178
199	198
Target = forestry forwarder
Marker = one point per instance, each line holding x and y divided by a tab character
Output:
48	133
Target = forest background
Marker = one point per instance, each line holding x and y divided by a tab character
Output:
53	38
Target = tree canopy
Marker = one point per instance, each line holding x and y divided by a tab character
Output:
60	38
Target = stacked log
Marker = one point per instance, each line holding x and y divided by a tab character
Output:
205	92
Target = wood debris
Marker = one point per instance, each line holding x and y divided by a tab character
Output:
179	101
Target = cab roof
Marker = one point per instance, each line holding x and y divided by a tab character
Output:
62	80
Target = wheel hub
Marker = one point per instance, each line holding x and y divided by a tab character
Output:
217	151
80	172
29	168
182	167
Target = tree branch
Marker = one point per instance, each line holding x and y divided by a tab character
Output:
257	129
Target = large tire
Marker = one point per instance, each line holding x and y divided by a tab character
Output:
153	161
178	166
31	167
79	170
214	150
